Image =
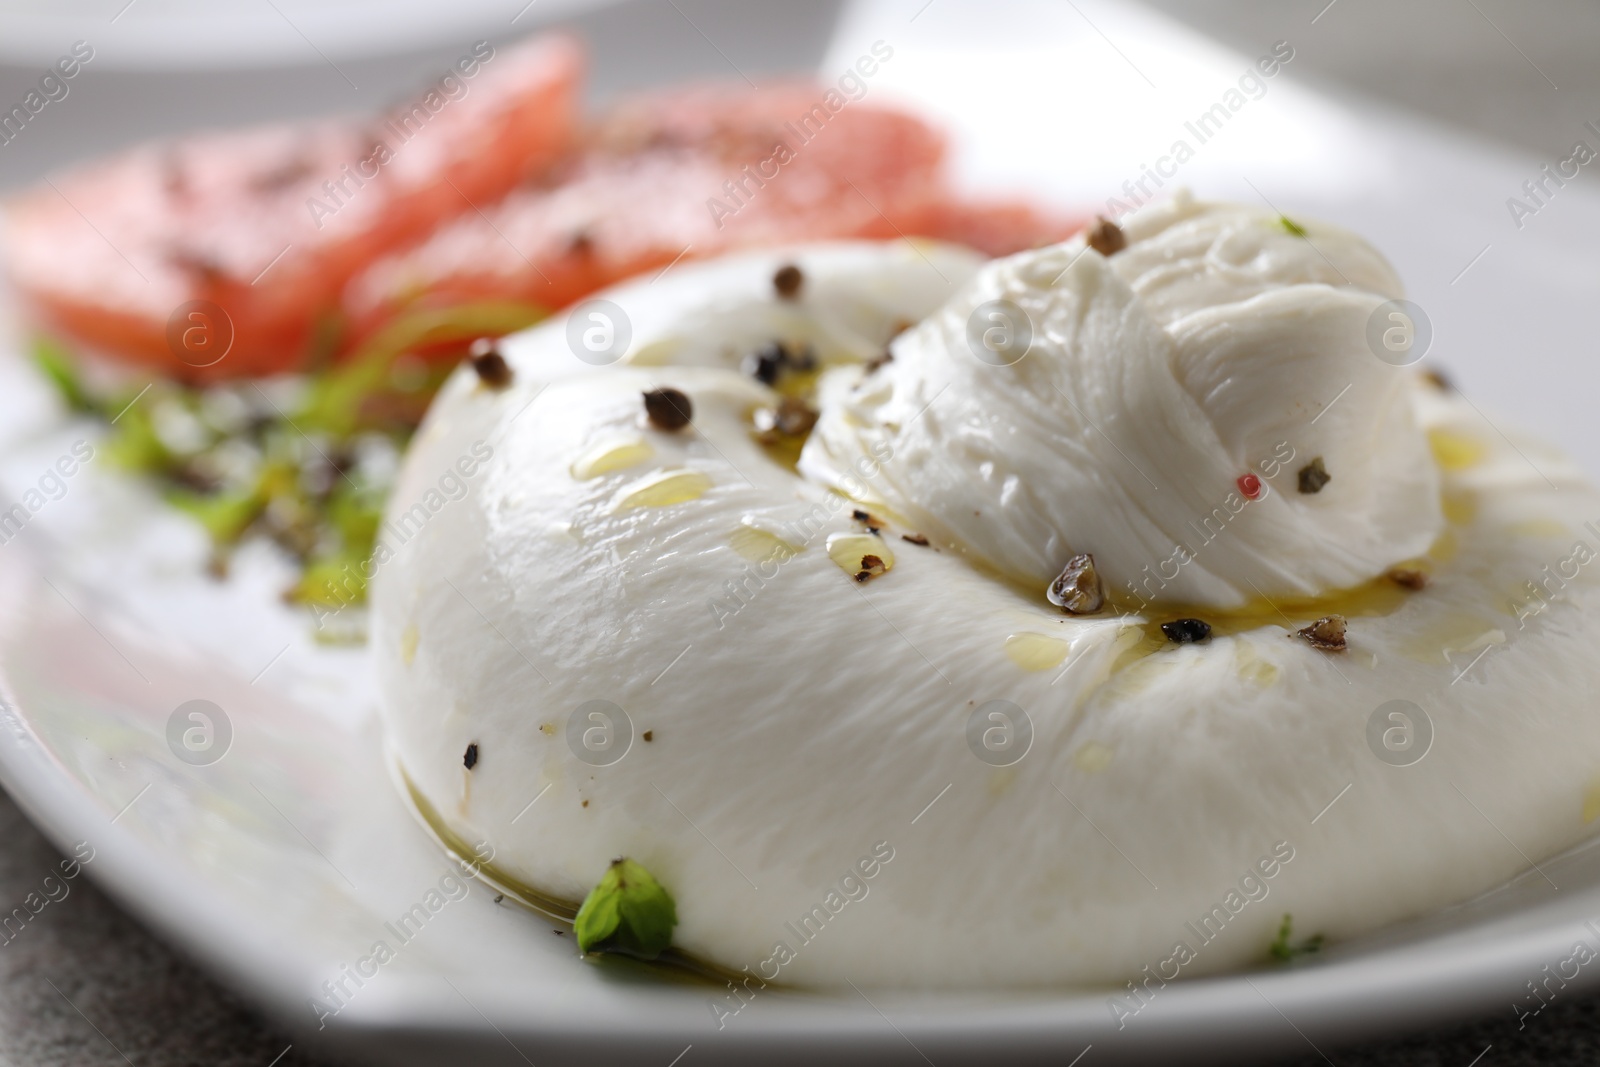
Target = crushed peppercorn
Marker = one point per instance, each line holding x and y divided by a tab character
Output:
871	567
668	409
1186	631
915	538
1438	379
1327	633
769	362
866	518
1408	577
1106	237
1313	476
766	363
470	760
879	360
792	417
492	368
1078	590
649	735
788	281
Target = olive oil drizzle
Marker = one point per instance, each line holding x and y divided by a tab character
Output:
673	964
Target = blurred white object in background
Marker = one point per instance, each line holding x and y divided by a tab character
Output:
213	34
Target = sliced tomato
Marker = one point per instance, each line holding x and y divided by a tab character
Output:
670	176
222	255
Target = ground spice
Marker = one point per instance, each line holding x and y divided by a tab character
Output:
1327	633
492	368
1408	577
788	281
1313	476
1106	237
1186	631
668	409
871	567
1078	589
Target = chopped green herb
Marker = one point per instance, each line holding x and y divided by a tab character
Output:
1291	227
628	912
57	366
305	462
362	389
225	516
1283	947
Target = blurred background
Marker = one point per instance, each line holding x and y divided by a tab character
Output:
1515	82
214	64
1487	67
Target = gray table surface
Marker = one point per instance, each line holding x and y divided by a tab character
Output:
84	984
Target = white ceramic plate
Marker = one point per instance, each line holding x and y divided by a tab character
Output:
228	34
280	864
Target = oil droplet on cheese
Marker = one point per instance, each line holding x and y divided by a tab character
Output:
758	541
849	549
1134	643
1452	639
1460	507
1444	550
408	644
1252	668
614	454
1092	757
1036	652
1141	675
1540	528
1454	451
657	353
663	489
1591	800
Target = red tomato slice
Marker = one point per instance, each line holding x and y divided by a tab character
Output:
682	174
221	255
1000	228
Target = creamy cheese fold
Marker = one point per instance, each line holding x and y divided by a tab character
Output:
1137	391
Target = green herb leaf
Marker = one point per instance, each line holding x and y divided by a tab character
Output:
226	516
56	365
134	445
1283	947
1291	227
628	912
361	391
333	580
307	470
